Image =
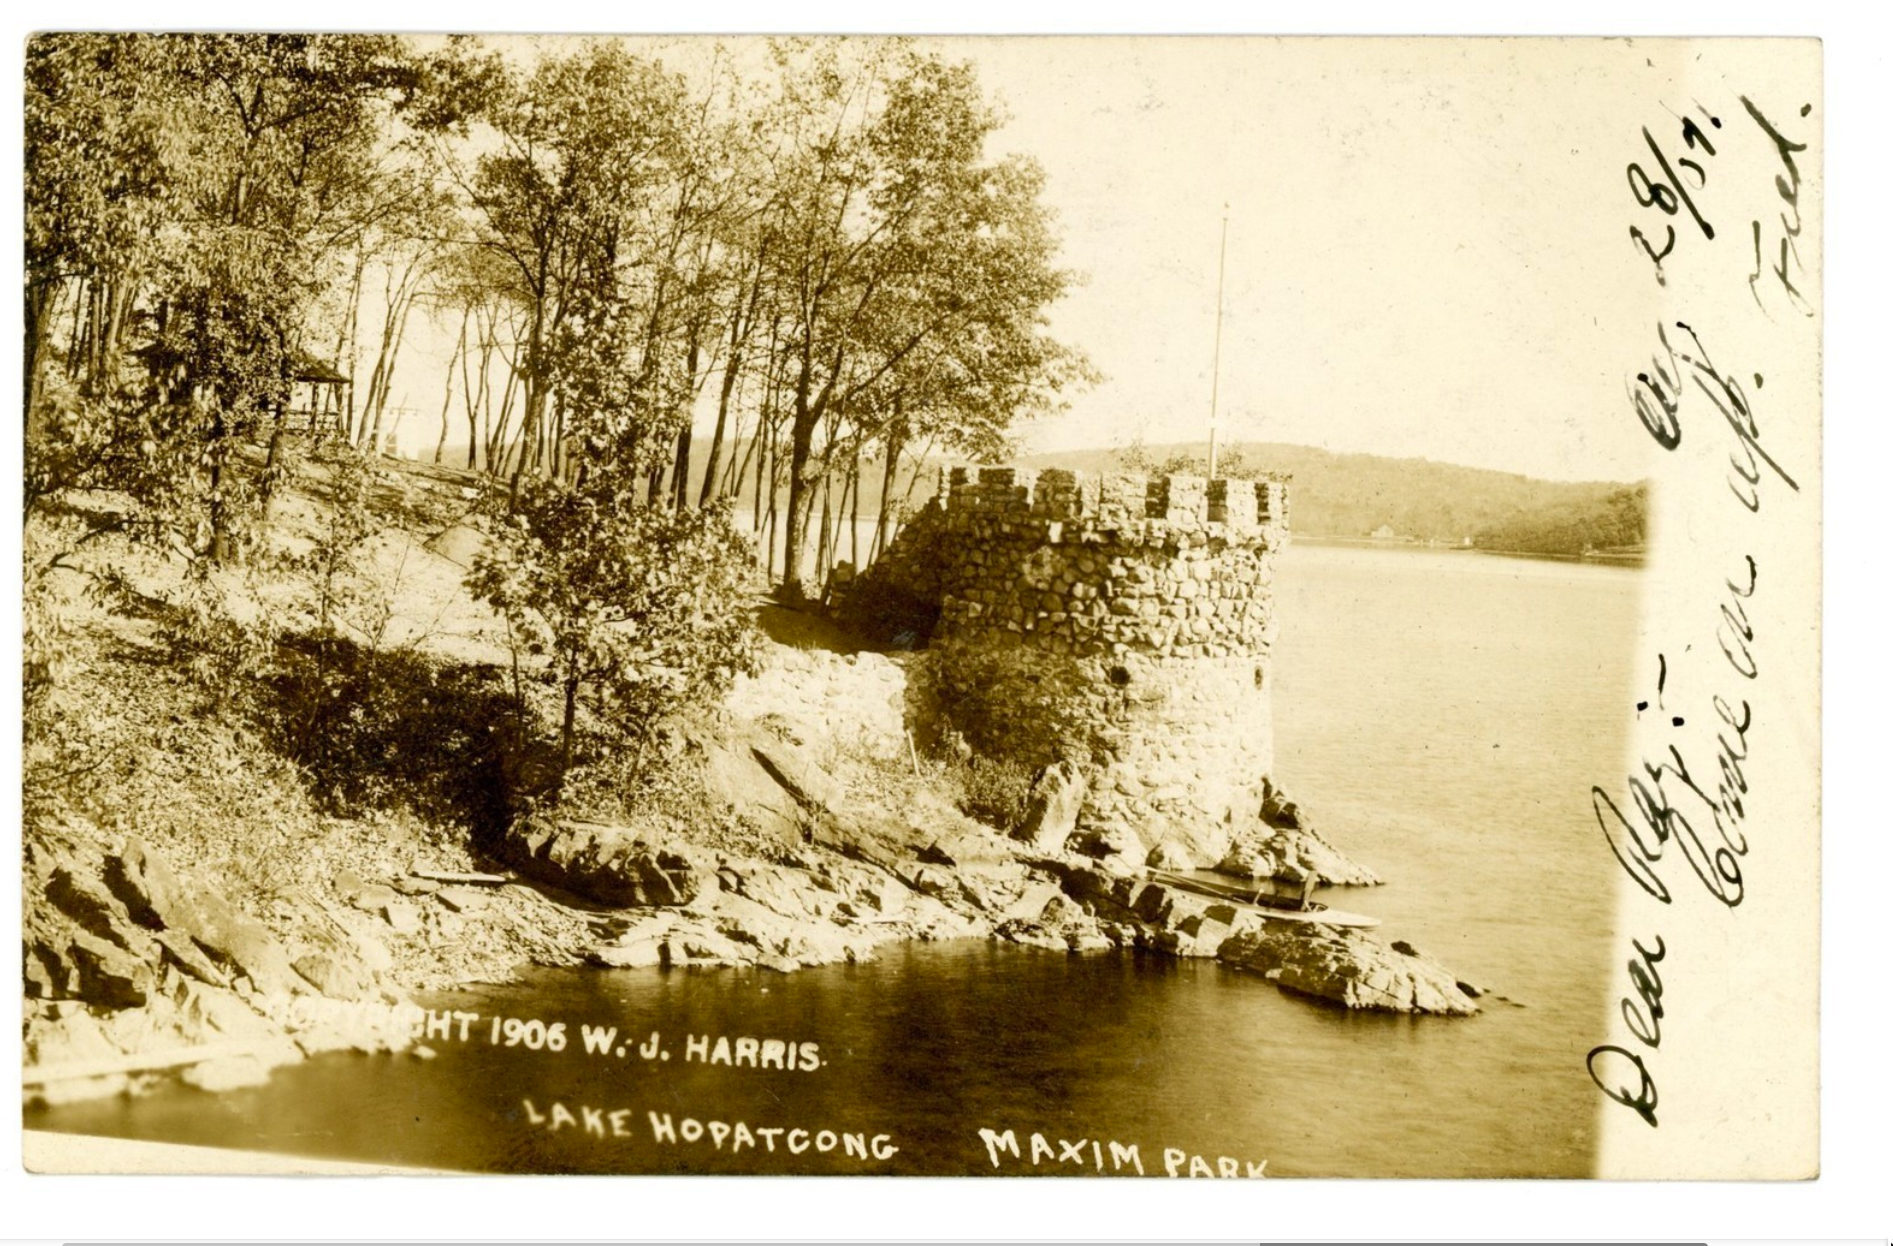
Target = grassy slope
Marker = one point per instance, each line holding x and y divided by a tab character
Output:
145	736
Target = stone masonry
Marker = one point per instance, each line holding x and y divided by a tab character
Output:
1117	622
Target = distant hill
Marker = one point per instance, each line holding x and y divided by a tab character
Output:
1357	496
1418	500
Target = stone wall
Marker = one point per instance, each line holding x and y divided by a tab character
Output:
1120	622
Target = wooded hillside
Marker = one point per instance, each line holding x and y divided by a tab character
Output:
1359	495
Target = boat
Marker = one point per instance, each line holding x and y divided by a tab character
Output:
1263	903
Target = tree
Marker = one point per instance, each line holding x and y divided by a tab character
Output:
643	608
580	144
96	203
905	264
226	173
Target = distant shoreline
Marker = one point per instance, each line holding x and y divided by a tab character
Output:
1609	558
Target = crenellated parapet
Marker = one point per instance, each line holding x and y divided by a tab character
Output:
1115	501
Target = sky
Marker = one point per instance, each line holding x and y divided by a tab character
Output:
1394	281
1412	228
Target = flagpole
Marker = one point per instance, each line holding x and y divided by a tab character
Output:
1216	364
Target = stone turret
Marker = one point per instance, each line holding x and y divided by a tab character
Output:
1121	623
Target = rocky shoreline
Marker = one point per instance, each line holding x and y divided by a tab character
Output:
138	973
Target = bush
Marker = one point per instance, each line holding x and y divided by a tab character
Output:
1013	704
994	791
218	647
640	610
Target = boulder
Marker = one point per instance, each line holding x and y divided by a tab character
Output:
1031	934
459	543
66	1034
1277	810
1052	807
799	776
1259	851
465	899
779	890
402	916
107	973
871	837
183	952
45	978
347	885
643	954
1106	843
373	897
144	884
86	902
334	977
1039	902
236	939
1170	854
734	779
882	894
991	888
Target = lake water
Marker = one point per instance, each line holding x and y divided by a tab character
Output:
1441	715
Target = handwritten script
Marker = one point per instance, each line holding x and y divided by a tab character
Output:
1689	798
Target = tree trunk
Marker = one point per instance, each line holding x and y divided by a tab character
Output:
889	474
824	535
271	461
528	432
38	327
566	730
347	343
498	454
854	511
391	351
446	405
736	467
770	525
475	401
680	472
801	501
731	370
762	458
75	342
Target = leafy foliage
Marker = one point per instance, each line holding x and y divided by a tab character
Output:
345	530
993	790
642	609
220	648
973	705
1617	521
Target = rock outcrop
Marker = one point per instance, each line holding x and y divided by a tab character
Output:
1351	968
1279	844
603	862
135	974
1354	968
1051	814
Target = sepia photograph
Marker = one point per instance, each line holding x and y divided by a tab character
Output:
1090	606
